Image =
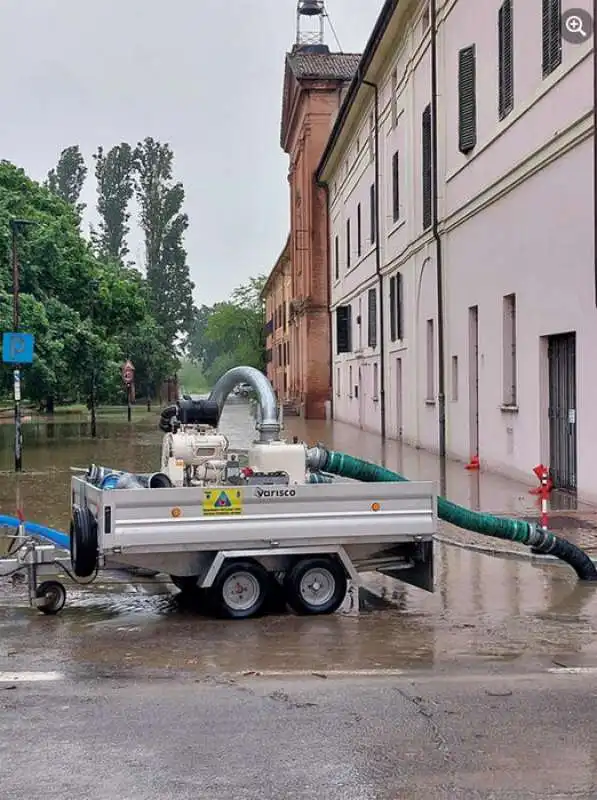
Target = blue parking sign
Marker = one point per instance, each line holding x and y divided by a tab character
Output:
17	348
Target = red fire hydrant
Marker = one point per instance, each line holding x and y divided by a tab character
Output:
543	490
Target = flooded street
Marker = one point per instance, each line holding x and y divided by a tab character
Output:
484	609
354	702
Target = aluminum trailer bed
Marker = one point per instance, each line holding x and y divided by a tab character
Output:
235	545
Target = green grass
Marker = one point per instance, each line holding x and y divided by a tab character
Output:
190	376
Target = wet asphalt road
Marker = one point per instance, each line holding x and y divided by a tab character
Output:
485	689
391	738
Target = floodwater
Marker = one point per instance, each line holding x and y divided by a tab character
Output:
485	610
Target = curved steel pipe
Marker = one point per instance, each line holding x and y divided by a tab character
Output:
269	425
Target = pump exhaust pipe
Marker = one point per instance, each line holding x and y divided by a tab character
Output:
269	424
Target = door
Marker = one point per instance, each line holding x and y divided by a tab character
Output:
561	353
473	379
399	397
362	409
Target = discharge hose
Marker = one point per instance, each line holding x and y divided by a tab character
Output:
320	459
58	538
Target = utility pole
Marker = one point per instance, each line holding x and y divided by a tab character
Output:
93	287
17	225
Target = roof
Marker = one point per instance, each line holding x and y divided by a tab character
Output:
308	63
323	65
377	34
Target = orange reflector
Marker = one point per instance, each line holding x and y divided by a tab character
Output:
176	512
375	506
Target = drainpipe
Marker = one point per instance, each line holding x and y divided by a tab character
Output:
382	327
326	189
441	394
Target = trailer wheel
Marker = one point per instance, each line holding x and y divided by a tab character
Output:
83	542
316	586
52	595
240	589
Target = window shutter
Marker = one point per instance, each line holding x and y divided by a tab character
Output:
551	35
343	329
359	232
396	186
399	306
506	60
372	318
426	165
467	101
393	309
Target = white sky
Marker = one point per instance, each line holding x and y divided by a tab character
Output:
204	75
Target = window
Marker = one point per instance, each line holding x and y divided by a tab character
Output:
348	244
426	174
430	361
393	98
552	36
396	307
371	136
337	257
454	379
510	392
372	318
359	232
505	60
467	100
375	381
344	329
372	213
338	382
284	315
395	187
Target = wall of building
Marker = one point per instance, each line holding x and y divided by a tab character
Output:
516	217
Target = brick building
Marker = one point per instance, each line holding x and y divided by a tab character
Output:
315	83
277	294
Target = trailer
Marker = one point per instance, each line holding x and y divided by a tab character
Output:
234	532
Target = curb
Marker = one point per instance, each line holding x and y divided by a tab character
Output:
493	551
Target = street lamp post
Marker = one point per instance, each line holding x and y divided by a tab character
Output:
93	287
16	226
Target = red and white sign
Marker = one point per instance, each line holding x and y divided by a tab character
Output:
128	372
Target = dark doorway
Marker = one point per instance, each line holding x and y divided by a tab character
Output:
562	410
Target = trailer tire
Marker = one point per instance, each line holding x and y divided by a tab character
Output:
52	595
253	582
83	542
324	595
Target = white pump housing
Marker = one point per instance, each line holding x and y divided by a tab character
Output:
202	450
279	456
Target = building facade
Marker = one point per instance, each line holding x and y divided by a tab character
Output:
315	81
277	295
495	182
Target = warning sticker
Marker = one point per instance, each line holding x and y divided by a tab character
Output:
222	502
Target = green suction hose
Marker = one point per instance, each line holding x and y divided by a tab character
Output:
513	530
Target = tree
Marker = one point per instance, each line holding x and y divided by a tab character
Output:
67	179
164	225
84	310
231	333
115	186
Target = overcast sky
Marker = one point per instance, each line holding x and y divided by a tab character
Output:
204	75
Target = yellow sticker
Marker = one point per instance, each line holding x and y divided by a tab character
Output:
179	462
222	502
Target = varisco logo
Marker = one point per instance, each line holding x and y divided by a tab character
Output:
275	493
